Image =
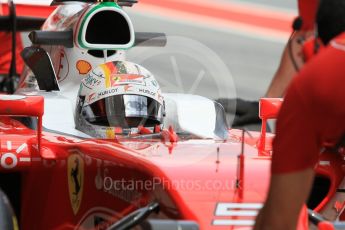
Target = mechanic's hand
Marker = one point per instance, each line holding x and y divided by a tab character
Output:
247	112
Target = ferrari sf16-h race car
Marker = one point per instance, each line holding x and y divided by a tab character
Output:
190	172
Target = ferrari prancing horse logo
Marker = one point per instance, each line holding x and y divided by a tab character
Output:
75	174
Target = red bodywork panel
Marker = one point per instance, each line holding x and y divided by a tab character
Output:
78	183
191	179
189	182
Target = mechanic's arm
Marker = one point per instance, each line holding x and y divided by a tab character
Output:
295	153
287	194
282	77
286	70
247	111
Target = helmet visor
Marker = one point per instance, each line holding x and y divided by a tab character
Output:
125	111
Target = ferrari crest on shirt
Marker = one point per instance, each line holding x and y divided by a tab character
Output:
83	67
75	174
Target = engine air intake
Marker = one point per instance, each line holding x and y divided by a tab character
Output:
108	27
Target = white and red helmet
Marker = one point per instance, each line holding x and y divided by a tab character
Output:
119	98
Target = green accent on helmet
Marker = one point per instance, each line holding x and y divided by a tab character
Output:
93	9
121	68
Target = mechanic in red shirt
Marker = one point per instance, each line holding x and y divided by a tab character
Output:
291	60
313	113
6	53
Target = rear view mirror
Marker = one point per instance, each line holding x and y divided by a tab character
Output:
268	109
27	106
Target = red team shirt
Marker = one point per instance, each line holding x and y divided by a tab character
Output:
6	52
313	112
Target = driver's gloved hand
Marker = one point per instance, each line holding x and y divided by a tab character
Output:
247	112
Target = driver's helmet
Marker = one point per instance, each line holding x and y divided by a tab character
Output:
119	98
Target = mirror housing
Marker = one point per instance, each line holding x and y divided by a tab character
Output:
268	109
19	105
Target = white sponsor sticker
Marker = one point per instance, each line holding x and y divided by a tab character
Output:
247	211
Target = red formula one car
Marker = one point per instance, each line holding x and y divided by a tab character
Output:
194	173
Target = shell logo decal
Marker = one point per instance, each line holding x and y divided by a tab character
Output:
75	174
83	67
